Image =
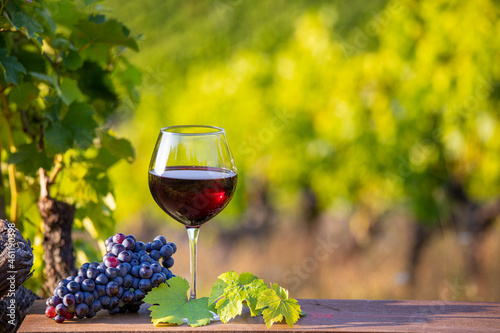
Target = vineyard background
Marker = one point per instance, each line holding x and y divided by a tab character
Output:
351	121
366	136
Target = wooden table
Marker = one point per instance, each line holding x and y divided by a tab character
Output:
322	315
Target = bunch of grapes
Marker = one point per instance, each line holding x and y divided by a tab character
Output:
130	269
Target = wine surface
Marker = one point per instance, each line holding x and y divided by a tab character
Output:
192	195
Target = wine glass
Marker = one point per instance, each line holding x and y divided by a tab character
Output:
192	177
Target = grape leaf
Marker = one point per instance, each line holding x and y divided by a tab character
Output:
12	67
109	32
28	159
276	305
23	22
69	91
231	291
79	119
169	304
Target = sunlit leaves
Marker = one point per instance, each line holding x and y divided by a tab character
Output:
109	32
12	67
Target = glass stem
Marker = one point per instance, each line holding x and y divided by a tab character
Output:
193	239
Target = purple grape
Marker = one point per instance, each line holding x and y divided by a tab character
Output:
117	249
129	244
156	245
162	239
119	238
166	251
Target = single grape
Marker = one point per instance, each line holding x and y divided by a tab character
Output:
117	249
168	262
88	285
119	238
156	267
155	255
145	272
79	279
61	309
139	246
139	294
156	245
165	271
105	300
149	246
95	294
79	297
62	283
166	251
156	279
174	247
128	296
92	273
135	270
101	279
53	301
69	300
88	298
112	288
127	265
59	319
50	312
129	244
100	289
135	283
101	267
96	306
70	278
94	264
145	285
81	310
162	239
85	266
114	302
125	256
134	262
111	272
61	291
118	279
132	237
145	258
122	269
73	287
127	280
111	262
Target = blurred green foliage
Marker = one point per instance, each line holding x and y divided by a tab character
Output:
63	71
379	104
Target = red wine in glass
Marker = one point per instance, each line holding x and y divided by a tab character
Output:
192	177
192	195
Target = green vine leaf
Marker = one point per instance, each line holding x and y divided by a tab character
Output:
276	306
12	68
169	304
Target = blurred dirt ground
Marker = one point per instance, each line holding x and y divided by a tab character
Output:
332	263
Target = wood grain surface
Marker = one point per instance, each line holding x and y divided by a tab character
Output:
322	315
